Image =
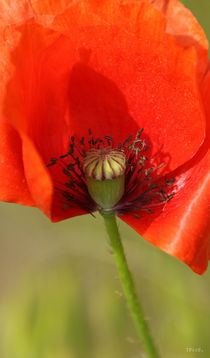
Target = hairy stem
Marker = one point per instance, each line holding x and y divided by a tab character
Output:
128	284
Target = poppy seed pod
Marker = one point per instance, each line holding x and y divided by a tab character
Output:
105	174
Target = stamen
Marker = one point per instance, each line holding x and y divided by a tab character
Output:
144	189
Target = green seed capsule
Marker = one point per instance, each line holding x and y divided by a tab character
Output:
104	171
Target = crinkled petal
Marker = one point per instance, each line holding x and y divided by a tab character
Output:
15	11
183	25
156	77
50	7
182	229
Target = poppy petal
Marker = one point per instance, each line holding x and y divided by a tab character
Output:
180	22
15	11
163	93
183	25
13	186
182	229
43	130
37	176
50	7
114	83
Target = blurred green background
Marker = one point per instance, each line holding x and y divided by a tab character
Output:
60	296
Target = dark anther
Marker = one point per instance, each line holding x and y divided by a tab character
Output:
161	165
127	140
66	172
149	211
143	159
53	161
139	132
109	140
148	171
148	147
170	182
63	156
71	149
98	140
169	197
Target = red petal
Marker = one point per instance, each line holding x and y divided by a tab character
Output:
15	11
182	229
114	83
183	25
38	112
50	7
155	77
37	176
13	186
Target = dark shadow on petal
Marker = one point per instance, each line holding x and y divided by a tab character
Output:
97	103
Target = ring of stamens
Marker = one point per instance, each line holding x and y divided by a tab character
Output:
144	189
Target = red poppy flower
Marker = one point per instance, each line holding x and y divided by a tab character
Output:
113	67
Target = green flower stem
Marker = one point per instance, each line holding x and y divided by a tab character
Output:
128	284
